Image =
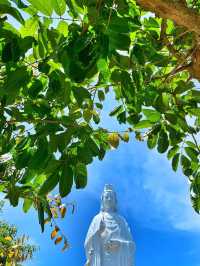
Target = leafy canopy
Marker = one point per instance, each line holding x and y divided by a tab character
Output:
58	63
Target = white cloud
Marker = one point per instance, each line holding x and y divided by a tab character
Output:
170	194
147	188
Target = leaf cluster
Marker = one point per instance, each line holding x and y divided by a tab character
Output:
56	70
14	249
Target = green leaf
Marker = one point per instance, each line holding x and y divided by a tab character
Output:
194	111
13	195
172	152
59	6
11	51
27	205
35	88
175	162
96	117
40	156
26	45
6	9
85	154
63	28
28	176
19	3
80	175
119	41
102	66
138	53
30	27
44	6
5	2
163	142
183	123
121	117
185	162
101	95
171	117
102	152
81	94
41	215
99	105
22	158
117	110
196	203
87	115
50	183
143	124
152	115
162	102
15	80
192	153
183	87
191	144
65	181
22	143
196	94
152	141
151	23
92	145
119	24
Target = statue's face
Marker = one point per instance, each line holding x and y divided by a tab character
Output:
109	201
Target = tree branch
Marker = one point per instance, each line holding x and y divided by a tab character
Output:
176	11
182	16
196	144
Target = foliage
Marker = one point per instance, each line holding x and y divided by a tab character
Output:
13	249
56	69
58	210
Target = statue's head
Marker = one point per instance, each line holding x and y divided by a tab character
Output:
109	199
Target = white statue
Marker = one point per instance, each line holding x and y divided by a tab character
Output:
109	241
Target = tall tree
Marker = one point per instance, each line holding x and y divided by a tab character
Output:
61	62
14	250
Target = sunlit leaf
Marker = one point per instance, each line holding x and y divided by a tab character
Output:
113	139
7	9
58	240
44	6
143	124
175	161
66	181
59	6
54	232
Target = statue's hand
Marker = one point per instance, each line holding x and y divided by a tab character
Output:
91	252
112	245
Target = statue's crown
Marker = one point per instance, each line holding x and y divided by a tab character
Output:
108	187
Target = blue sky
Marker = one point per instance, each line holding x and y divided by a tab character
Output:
154	200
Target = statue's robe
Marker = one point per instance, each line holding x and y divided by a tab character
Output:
116	228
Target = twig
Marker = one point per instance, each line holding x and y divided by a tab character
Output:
110	14
181	35
60	18
163	29
195	142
